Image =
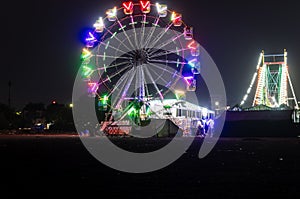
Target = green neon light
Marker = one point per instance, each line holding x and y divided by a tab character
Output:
104	100
153	24
107	45
132	111
108	78
134	23
113	35
87	71
122	28
105	67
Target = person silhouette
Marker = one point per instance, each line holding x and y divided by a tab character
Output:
210	127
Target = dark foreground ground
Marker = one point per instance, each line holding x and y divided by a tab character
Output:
60	166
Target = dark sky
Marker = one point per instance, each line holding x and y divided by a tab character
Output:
42	45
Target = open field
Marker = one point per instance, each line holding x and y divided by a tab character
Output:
49	166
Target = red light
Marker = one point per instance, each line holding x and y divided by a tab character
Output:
128	7
53	102
177	19
145	6
195	48
192	45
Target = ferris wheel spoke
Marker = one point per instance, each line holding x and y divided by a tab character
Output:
165	43
113	35
113	57
113	66
168	61
165	70
143	30
134	31
109	78
123	81
157	39
124	114
177	51
142	83
108	45
122	28
116	87
126	89
159	76
137	82
154	83
150	35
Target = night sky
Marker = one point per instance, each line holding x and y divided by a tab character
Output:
41	42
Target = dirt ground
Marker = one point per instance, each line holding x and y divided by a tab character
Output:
56	166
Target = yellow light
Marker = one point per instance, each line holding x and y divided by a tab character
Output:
18	113
71	105
179	94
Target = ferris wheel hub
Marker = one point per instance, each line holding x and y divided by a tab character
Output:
140	57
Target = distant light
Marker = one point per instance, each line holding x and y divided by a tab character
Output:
217	103
53	102
71	105
18	113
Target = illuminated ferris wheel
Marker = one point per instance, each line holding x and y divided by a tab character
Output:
136	53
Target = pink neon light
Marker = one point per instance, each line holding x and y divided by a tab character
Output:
188	78
93	87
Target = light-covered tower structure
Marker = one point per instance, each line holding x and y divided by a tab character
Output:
273	81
